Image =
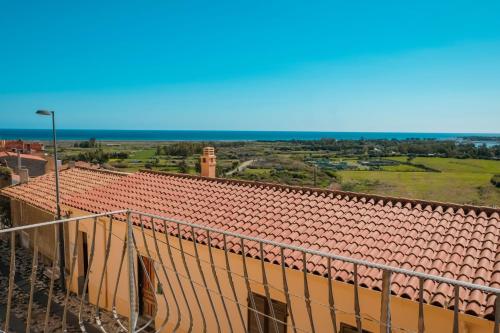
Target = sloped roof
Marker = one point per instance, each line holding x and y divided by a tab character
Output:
40	191
4	154
454	241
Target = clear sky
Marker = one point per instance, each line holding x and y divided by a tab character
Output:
416	66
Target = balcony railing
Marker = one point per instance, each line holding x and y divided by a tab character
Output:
138	272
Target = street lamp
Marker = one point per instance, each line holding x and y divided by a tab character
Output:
58	206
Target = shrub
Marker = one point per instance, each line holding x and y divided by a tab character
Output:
495	180
4	172
120	165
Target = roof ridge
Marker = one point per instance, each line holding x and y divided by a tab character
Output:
121	173
368	196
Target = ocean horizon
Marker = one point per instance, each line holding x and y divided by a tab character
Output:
220	135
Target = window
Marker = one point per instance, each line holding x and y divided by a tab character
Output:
344	328
266	323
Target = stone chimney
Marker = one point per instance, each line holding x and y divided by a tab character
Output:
208	162
23	176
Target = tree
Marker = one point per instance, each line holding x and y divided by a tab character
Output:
159	150
183	167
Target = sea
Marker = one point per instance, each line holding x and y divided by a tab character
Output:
193	135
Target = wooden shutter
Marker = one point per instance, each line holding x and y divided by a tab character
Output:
280	311
262	306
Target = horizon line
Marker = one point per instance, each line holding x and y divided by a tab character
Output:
222	130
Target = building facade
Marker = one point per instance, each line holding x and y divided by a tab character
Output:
35	165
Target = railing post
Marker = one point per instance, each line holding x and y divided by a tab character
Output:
496	329
131	275
456	327
385	305
421	323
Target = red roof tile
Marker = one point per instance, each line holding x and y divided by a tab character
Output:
460	242
40	191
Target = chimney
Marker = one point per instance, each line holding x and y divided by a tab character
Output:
208	162
50	166
23	176
71	164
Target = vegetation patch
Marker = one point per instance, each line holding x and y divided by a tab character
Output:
448	171
495	180
5	173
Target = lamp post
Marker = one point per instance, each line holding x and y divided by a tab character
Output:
62	264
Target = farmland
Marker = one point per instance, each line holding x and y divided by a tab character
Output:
459	180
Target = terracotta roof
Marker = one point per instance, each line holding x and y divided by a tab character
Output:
40	191
26	156
454	241
20	144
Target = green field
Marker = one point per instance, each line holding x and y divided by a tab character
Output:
466	180
142	154
456	165
461	181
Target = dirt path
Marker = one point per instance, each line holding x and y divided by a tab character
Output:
240	167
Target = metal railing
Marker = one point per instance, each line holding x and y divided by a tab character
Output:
137	272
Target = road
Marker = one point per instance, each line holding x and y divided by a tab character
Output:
240	167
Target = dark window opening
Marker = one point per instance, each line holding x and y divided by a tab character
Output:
345	328
84	264
264	315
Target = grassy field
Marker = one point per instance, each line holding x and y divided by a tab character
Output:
144	154
465	181
456	165
460	181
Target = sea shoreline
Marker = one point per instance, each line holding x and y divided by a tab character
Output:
152	136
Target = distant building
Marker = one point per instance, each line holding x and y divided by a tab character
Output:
21	146
35	165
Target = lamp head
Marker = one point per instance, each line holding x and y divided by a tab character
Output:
44	113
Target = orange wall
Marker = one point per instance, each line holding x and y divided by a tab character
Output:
404	312
23	214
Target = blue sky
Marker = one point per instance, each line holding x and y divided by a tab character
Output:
421	66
